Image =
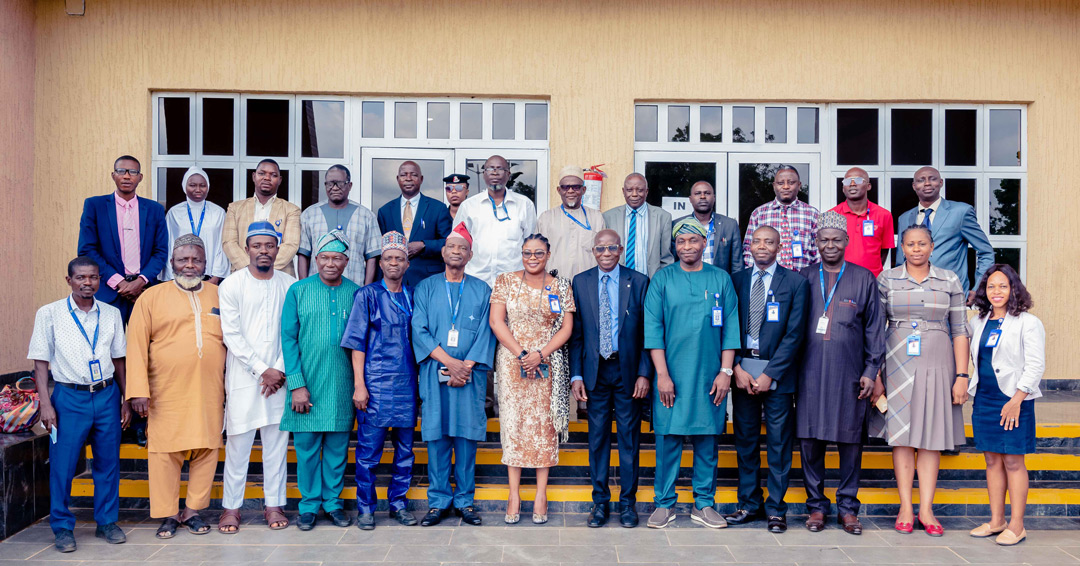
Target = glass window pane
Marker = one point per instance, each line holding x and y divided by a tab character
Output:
311	188
743	124
522	176
502	121
857	136
808	125
756	189
438	120
961	137
384	185
872	194
1009	256
670	182
322	128
536	121
169	190
222	188
283	188
373	123
404	119
775	125
712	123
1004	207
678	123
962	190
645	122
903	199
267	128
912	136
472	120
1004	138
174	126
218	115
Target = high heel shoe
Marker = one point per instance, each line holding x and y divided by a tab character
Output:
540	519
512	518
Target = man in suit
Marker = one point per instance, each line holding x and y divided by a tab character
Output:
953	227
772	312
645	228
424	221
723	246
126	236
611	370
264	206
354	221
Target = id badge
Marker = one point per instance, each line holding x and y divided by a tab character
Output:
718	317
868	228
796	249
992	339
452	338
823	325
914	345
772	312
553	302
95	371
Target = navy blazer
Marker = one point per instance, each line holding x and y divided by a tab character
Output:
952	228
778	342
431	225
99	239
634	359
727	243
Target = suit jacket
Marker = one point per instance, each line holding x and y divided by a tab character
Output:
1019	358
99	239
284	215
634	359
431	224
777	342
953	227
727	243
659	234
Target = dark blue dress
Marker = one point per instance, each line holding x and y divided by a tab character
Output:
989	435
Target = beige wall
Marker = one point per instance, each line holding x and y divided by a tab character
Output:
592	58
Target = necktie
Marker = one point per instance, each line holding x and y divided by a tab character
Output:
631	241
131	242
406	220
605	317
757	304
926	217
707	256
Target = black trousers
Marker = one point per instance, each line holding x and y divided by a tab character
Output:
610	395
813	465
779	412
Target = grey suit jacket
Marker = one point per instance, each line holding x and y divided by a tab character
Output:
727	243
953	228
659	234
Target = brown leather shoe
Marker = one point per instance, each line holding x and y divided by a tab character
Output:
851	524
816	522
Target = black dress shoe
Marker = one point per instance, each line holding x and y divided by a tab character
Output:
306	522
742	517
340	518
111	533
468	515
434	517
403	516
777	524
365	521
65	541
598	516
628	517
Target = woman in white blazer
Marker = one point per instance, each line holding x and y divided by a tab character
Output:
1008	344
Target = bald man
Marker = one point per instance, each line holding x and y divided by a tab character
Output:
869	226
645	229
953	227
723	246
424	221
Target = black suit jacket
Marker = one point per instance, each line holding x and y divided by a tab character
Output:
431	225
634	360
778	342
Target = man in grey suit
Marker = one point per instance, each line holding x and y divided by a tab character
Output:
645	228
723	245
953	227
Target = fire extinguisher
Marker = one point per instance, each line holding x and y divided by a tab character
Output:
594	182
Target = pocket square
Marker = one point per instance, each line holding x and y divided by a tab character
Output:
214	310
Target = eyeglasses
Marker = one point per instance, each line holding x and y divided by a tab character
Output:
578	188
457	188
495	169
526	254
602	249
852	181
331	184
122	172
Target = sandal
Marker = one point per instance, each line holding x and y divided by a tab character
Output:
275	515
229	518
167	528
196	525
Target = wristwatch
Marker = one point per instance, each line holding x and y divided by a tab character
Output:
728	371
523	354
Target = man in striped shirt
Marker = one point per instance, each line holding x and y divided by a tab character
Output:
795	220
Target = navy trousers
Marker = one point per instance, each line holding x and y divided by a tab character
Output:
607	396
369	449
813	466
779	414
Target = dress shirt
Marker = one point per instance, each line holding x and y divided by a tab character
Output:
262	211
752	343
124	208
496	244
411	203
641	244
612	290
786	219
58	340
933	213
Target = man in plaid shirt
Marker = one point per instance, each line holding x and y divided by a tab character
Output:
795	220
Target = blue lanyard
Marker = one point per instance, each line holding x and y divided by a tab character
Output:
586	225
495	211
455	309
191	219
408	312
821	276
93	345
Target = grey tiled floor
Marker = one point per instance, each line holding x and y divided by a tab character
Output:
564	540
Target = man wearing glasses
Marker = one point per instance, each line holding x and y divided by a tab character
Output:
869	226
457	190
356	222
424	221
571	227
126	236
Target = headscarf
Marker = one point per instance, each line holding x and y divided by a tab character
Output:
689	225
261	228
195	170
832	219
333	241
395	241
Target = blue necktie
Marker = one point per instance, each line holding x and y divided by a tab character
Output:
605	317
926	217
631	241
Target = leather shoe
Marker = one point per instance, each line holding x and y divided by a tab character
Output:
777	524
306	522
111	533
851	524
468	515
65	541
628	518
403	516
742	517
816	522
365	521
434	517
598	516
340	518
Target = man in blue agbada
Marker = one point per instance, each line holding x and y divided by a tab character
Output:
384	380
455	346
692	330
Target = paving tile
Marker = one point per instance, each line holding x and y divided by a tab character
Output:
578	536
554	520
1022	553
113	553
560	554
890	555
332	554
799	554
420	536
213	553
22	550
721	537
326	535
502	536
829	537
404	552
680	554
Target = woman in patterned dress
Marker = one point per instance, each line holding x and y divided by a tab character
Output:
530	317
926	345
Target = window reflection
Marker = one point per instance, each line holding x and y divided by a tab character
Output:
1004	138
322	128
742	118
645	122
522	177
218	115
712	124
962	190
755	186
670	182
775	125
267	128
472	120
536	121
808	125
903	199
373	123
1004	207
502	121
678	125
311	188
384	186
174	126
404	119
438	120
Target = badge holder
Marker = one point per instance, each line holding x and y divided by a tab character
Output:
796	245
717	312
995	336
914	341
553	303
452	337
868	228
772	309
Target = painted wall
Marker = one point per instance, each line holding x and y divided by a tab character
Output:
593	59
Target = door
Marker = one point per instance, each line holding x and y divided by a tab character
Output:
750	178
671	174
379	166
529	171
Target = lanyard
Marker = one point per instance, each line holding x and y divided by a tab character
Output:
495	211
586	225
93	345
191	219
453	318
408	303
821	276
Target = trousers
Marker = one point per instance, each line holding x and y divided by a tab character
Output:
608	396
369	448
668	460
164	469
275	451
779	412
813	465
440	451
320	469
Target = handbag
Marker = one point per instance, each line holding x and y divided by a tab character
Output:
19	405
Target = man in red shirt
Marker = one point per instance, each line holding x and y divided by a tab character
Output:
869	226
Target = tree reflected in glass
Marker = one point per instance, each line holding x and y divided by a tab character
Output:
755	186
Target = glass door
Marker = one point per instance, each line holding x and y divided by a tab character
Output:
379	167
529	171
671	174
750	178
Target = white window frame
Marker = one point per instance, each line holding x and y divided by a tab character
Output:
197	132
985	150
194	142
367	154
695	145
936	146
543	168
737	158
297	149
292	144
719	158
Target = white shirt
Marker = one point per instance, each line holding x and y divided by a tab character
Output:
262	211
251	327
58	340
178	223
641	241
496	244
933	213
752	343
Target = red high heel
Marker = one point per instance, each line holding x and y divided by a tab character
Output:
904	528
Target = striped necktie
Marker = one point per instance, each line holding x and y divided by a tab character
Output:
631	241
757	304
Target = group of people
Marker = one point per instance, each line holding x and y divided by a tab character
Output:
627	312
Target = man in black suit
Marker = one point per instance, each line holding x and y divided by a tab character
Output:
772	313
611	370
424	221
723	243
